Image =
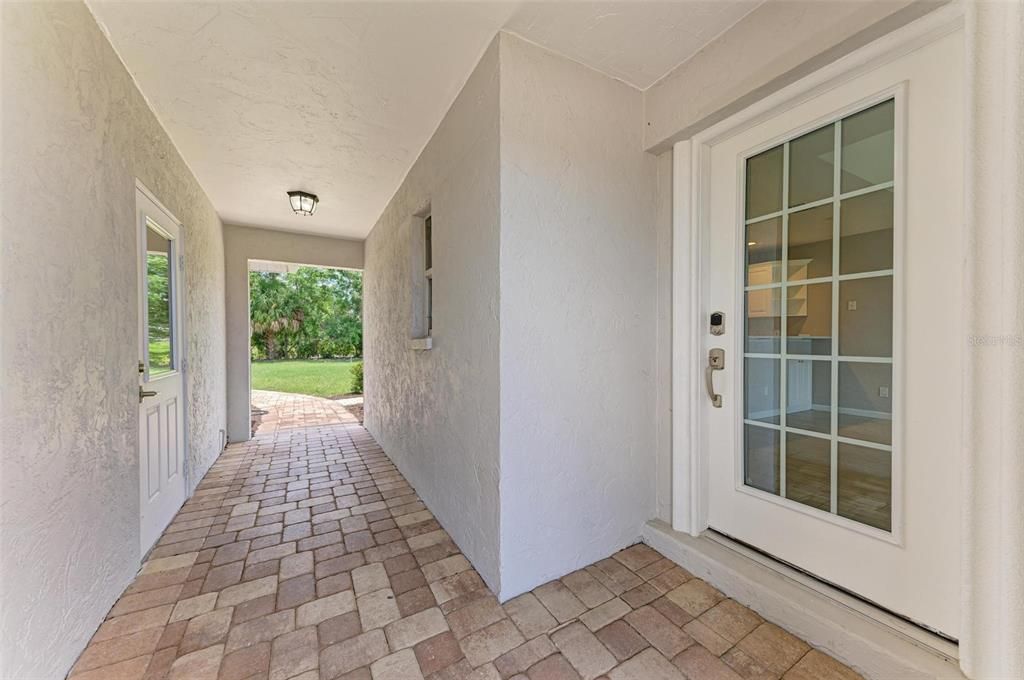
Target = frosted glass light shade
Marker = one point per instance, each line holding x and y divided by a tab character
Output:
303	203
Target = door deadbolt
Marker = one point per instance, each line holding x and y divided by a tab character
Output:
716	362
717	323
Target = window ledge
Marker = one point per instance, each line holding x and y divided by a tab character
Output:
421	344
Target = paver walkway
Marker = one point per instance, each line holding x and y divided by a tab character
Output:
274	411
305	555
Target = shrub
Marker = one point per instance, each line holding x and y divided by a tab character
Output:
357	378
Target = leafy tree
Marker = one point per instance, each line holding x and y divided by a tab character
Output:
157	298
309	313
158	303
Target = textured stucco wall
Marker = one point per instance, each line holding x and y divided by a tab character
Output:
749	60
436	412
242	244
76	135
578	306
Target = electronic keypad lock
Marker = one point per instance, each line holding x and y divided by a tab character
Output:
717	323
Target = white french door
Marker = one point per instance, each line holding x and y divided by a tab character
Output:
832	242
161	378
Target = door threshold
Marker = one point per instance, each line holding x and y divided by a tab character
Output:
929	637
875	642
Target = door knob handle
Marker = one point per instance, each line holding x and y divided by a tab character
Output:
716	362
145	393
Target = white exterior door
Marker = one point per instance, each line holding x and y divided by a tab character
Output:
161	378
833	239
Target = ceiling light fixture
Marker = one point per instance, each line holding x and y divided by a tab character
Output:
303	203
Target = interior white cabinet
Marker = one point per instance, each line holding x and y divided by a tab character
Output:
765	302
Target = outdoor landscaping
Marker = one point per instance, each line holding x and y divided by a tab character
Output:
319	377
307	333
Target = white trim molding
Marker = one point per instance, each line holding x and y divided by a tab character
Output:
687	492
992	632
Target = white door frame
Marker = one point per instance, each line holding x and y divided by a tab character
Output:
992	400
181	332
691	163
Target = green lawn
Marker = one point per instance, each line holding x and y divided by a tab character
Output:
159	356
319	377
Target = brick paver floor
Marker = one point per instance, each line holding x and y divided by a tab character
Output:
305	555
274	411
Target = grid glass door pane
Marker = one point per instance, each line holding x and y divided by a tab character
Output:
764	320
764	183
809	395
808	473
809	318
818	326
159	317
865	317
811	166
865	408
865	233
762	380
868	147
764	251
810	243
865	485
761	459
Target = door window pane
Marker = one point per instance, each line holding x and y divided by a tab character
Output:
764	183
864	485
865	317
809	319
808	470
761	458
809	395
865	401
811	158
868	145
761	377
159	337
810	243
865	232
764	320
764	252
818	313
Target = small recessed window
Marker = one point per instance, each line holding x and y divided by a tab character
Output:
421	249
428	272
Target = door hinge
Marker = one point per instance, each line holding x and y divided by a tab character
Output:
184	365
181	262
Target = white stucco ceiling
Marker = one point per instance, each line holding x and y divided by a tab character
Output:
338	98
